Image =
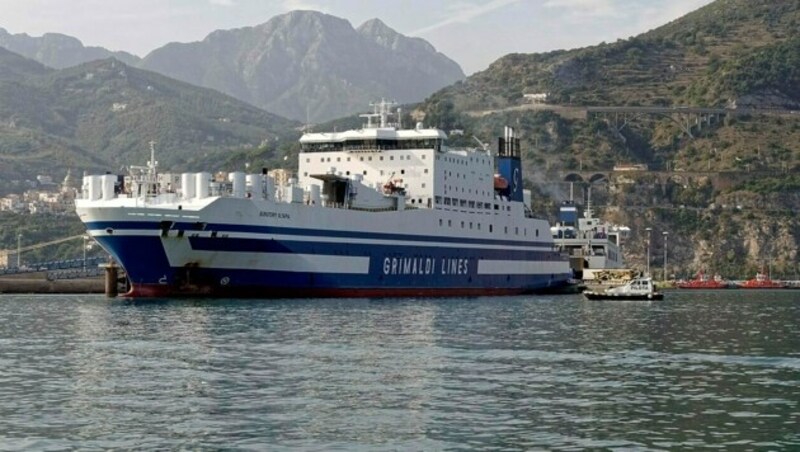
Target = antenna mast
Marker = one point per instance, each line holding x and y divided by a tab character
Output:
152	164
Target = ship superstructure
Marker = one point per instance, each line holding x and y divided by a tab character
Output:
378	211
594	246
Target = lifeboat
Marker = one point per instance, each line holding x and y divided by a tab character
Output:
500	182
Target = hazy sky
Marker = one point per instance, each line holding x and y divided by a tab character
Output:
472	32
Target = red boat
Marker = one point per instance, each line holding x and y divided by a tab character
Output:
762	281
702	281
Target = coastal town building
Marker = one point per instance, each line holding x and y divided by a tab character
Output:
46	197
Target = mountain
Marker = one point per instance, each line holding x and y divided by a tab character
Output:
15	67
309	65
101	115
729	189
58	51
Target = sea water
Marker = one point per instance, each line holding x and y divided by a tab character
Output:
698	369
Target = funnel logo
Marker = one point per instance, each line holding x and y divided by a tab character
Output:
515	181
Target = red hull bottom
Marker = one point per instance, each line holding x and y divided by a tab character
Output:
165	291
702	287
763	287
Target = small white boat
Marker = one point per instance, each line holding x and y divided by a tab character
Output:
636	289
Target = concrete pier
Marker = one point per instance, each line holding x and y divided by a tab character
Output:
38	283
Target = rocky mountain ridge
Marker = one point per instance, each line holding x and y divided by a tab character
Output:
304	65
59	51
308	65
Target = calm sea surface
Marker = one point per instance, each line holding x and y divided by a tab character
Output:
698	370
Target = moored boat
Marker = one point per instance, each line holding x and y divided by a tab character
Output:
702	281
377	211
762	281
636	289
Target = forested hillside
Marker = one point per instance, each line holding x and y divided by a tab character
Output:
102	115
732	54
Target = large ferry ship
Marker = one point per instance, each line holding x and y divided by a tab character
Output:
379	211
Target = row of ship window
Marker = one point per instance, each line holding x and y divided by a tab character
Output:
448	188
462	160
347	173
477	226
361	159
470	204
372	145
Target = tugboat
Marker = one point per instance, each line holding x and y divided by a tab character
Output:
702	281
636	289
762	281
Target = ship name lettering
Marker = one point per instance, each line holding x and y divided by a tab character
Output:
278	215
409	266
454	266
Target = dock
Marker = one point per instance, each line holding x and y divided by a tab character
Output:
30	283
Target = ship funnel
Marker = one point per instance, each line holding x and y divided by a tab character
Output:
509	165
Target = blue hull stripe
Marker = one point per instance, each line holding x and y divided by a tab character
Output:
357	249
226	228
